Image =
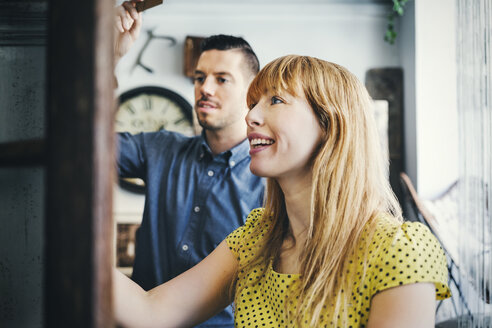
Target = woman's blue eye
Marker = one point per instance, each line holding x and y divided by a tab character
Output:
276	100
221	80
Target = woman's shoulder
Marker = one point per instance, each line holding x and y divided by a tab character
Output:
406	252
255	220
402	239
255	217
389	231
249	233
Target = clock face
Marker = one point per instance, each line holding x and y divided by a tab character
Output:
148	109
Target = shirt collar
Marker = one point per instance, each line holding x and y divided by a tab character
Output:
239	152
232	156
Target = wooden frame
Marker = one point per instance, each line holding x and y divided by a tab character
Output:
80	166
77	157
191	54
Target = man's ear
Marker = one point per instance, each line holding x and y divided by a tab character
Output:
249	78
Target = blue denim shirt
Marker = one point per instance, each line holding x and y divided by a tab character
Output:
193	201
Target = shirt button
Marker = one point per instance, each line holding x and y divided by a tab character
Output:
184	247
210	173
196	209
232	163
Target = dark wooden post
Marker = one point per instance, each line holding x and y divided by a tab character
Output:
79	164
387	84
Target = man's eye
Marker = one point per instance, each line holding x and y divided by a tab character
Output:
276	100
198	79
222	80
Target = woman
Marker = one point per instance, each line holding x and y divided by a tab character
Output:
329	248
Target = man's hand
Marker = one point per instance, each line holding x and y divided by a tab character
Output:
127	27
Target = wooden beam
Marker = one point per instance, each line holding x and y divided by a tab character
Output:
80	170
387	84
22	153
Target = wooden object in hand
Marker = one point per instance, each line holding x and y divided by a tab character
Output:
147	4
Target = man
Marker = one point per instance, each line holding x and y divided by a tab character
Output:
199	189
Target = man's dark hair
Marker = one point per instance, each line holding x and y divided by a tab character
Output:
229	42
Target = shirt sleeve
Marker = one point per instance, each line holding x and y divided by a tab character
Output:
235	238
409	254
131	158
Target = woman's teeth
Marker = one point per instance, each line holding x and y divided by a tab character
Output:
260	142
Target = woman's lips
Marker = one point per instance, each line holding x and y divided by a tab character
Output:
259	142
257	149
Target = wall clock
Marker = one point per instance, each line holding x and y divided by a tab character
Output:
148	109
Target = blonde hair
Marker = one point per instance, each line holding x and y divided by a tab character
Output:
349	182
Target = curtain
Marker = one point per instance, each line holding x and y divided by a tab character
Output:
474	70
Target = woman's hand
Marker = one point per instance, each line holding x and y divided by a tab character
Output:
188	299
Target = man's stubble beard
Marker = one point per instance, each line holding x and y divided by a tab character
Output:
219	124
209	126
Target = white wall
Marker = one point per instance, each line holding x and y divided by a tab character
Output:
348	33
435	80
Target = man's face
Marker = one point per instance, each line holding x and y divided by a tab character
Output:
220	89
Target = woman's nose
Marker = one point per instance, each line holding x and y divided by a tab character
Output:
254	116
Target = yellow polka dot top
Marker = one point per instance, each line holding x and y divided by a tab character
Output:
399	254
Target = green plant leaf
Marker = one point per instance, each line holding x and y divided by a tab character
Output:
398	9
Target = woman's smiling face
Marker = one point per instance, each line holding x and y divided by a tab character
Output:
283	132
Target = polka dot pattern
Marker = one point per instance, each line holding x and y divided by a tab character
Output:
398	254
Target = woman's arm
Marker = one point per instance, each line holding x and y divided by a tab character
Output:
404	306
184	301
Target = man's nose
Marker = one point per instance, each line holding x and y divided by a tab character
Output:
208	87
